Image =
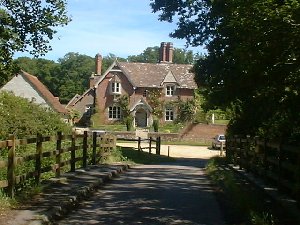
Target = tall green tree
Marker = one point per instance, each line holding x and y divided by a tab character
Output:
27	26
252	65
73	75
46	70
151	55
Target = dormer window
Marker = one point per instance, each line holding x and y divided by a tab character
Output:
115	87
170	90
145	93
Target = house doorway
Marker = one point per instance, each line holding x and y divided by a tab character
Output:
141	118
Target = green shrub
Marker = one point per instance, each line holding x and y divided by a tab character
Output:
20	117
155	125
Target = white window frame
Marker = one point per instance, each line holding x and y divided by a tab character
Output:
170	90
88	110
169	114
115	87
114	112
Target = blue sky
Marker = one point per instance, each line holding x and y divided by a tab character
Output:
120	27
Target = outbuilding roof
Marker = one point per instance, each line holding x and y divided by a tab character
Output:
44	92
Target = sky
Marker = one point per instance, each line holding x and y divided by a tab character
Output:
120	27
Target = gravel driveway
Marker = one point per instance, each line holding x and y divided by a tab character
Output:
180	151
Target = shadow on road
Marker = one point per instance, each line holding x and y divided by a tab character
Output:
176	192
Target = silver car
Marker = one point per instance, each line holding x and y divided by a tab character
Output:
218	141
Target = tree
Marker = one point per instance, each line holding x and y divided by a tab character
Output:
27	26
73	75
151	55
45	70
252	65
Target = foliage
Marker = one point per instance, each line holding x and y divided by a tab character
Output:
47	71
74	73
123	102
252	65
108	60
27	26
154	100
236	193
151	55
155	125
20	117
186	110
140	157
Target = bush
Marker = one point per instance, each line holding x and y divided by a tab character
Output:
155	125
20	117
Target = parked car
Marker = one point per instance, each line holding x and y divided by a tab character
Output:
218	140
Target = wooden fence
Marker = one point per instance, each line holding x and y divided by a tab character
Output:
272	161
68	153
154	143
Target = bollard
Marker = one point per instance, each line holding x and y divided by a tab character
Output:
168	151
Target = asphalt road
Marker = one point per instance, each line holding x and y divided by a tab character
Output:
176	193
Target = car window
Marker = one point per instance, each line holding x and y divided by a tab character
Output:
222	137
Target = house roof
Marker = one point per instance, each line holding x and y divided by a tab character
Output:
44	92
153	75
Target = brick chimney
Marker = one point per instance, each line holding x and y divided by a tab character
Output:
98	61
169	51
162	52
166	52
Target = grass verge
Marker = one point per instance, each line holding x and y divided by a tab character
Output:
137	157
242	202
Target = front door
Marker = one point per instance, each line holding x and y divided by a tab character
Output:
141	118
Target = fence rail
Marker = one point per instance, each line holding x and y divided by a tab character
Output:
70	151
272	161
151	141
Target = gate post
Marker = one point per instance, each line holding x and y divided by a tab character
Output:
11	177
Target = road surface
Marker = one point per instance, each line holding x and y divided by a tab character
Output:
172	193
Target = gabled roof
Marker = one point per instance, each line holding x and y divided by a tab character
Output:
153	75
140	102
170	78
73	100
43	91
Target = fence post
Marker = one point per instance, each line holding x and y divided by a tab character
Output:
73	152
139	144
94	148
84	149
150	144
58	156
157	146
38	158
11	177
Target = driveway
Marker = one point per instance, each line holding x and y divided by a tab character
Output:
169	193
179	151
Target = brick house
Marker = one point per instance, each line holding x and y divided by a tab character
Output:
136	80
28	86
